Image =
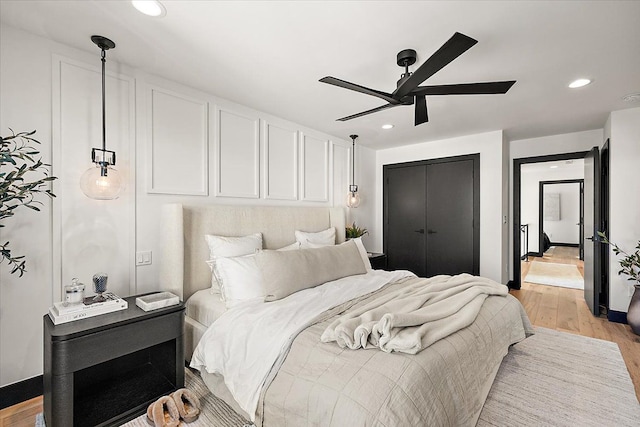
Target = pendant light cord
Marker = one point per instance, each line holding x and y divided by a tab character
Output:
104	128
353	161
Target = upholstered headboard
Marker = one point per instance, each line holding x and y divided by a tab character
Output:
183	269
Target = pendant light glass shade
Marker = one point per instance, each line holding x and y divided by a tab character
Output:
353	197
101	183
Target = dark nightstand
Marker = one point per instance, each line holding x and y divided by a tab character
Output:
105	370
378	261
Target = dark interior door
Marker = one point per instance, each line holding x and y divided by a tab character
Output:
432	216
449	215
404	231
592	277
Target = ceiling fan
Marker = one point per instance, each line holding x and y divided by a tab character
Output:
408	91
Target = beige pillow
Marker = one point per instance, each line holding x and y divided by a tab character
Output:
286	272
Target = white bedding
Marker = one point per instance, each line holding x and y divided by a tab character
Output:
205	307
244	354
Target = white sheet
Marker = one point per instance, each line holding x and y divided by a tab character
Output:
205	307
244	354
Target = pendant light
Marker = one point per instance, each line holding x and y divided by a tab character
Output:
102	181
353	198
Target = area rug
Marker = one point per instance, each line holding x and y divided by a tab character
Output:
551	378
559	379
549	273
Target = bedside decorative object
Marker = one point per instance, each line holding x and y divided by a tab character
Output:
73	293
61	312
157	300
353	232
100	286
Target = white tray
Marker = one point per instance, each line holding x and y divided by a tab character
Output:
157	300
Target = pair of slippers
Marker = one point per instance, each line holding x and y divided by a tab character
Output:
169	410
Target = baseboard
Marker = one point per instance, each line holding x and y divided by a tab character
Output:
21	391
570	245
617	316
538	254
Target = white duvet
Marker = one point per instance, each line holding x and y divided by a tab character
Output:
248	340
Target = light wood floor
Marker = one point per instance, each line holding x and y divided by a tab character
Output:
562	309
565	309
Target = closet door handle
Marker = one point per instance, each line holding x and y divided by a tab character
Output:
421	231
431	232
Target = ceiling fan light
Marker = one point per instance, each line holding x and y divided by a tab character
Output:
579	83
149	7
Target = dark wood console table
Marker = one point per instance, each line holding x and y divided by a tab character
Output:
105	370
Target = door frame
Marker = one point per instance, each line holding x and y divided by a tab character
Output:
476	198
541	210
516	282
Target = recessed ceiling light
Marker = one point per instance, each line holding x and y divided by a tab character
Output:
632	97
554	167
387	126
149	7
579	83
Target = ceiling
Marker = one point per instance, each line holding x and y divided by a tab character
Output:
561	166
269	56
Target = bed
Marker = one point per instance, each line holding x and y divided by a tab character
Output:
307	381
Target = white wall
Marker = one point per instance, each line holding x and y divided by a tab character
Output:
492	190
187	146
531	175
364	215
624	215
566	229
547	145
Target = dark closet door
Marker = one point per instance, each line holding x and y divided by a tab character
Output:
431	216
405	194
450	209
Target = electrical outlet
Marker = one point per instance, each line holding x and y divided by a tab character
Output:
143	258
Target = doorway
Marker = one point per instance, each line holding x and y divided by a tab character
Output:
561	214
432	216
591	220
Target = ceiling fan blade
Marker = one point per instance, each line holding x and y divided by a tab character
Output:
454	47
488	88
421	115
364	113
352	86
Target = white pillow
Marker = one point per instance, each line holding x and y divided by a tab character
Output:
326	237
221	246
240	279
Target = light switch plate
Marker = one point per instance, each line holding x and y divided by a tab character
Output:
143	258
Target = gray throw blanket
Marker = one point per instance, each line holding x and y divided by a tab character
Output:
415	316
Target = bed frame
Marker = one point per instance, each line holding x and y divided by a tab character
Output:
183	268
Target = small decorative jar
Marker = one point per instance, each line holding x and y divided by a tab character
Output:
74	293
